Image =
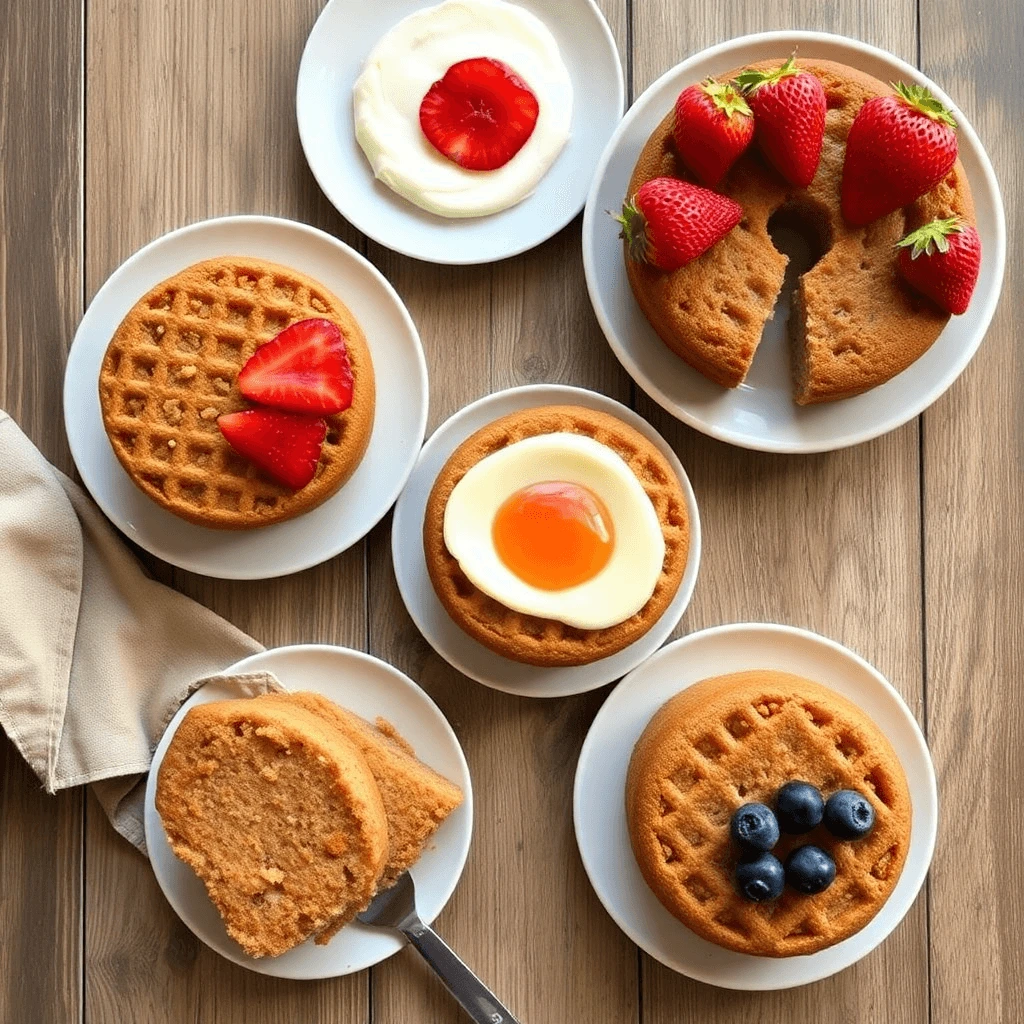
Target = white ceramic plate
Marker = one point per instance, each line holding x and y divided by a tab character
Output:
599	797
369	687
457	647
398	429
344	35
761	414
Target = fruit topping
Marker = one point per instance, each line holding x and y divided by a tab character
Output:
799	808
789	116
713	126
669	222
760	877
942	260
810	870
285	445
479	114
849	814
899	147
755	828
304	369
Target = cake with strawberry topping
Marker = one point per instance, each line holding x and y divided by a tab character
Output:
868	172
238	393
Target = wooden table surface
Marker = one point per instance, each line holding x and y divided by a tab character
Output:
122	119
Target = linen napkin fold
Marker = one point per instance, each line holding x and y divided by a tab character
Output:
95	657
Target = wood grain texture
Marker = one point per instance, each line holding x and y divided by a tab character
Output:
973	477
828	542
40	303
190	114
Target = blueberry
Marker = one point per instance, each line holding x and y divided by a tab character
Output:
810	869
760	877
754	827
799	808
849	815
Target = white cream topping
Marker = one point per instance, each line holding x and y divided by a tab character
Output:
415	54
626	582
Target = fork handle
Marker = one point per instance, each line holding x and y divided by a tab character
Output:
473	995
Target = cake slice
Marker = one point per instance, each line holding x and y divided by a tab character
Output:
280	816
416	798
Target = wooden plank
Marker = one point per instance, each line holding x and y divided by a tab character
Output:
190	114
40	303
973	474
827	542
524	915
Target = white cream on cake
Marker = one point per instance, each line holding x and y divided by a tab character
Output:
618	589
416	53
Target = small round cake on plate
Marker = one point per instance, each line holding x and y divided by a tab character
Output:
855	322
827	791
556	535
171	371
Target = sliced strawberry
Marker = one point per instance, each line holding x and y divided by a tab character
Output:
941	259
283	444
304	369
480	114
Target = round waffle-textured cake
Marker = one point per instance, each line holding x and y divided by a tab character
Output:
526	638
736	739
854	322
171	369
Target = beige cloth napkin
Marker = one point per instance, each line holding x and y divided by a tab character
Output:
95	657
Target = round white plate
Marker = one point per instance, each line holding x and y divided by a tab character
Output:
761	414
457	647
398	429
342	38
599	796
369	687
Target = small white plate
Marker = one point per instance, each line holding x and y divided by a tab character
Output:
599	796
339	43
457	647
761	414
398	429
369	687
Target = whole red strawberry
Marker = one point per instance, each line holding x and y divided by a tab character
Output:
480	114
899	147
789	114
669	222
713	126
942	260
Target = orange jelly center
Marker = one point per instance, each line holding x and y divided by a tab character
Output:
554	535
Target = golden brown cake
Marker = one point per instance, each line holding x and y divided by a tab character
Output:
171	368
854	323
278	814
416	798
736	739
540	641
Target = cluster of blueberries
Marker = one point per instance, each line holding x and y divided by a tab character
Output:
799	807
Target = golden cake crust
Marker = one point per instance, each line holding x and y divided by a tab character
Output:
278	814
526	638
855	323
735	739
170	370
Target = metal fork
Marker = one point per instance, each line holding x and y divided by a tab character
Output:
396	908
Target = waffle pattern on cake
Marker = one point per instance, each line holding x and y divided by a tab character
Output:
735	739
170	371
527	638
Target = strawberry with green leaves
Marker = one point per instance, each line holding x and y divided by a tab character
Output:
669	222
713	126
899	148
789	116
941	259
